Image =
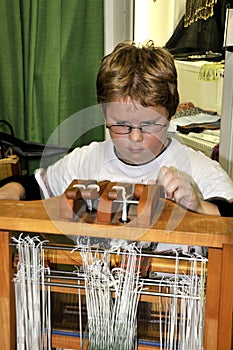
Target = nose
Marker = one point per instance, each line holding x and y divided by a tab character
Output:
136	135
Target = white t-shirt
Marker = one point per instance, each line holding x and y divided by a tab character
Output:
98	161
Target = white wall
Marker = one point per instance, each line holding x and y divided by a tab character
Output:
157	20
118	26
141	20
118	22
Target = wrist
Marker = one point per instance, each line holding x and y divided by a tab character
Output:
224	206
208	208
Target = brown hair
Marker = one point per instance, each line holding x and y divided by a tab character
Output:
146	75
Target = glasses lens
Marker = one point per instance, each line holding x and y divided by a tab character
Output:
151	128
120	129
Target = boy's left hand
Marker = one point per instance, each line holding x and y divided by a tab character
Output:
180	188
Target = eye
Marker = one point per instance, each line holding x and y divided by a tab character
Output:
149	125
151	128
126	126
152	122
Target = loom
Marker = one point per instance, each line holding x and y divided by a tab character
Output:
111	201
167	285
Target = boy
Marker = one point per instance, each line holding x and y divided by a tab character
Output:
137	90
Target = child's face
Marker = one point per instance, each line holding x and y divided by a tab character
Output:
137	146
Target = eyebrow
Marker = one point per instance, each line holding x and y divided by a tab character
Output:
151	121
126	122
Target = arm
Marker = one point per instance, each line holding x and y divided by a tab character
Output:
12	190
224	206
208	208
20	187
181	189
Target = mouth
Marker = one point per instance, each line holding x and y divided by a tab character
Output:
136	150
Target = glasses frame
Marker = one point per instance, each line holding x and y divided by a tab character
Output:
130	128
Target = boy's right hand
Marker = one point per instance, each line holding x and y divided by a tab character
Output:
12	190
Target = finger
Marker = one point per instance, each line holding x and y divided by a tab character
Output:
165	175
184	194
172	186
160	178
187	197
170	179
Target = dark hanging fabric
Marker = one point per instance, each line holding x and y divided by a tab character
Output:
198	9
201	36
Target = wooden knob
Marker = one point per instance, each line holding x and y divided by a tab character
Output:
138	190
112	195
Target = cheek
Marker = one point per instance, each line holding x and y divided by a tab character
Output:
156	140
120	142
118	138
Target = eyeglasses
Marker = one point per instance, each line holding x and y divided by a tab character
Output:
123	129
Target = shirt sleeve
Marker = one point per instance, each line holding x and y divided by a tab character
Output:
225	207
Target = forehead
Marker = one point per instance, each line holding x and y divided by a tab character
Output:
129	111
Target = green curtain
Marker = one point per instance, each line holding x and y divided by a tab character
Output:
50	52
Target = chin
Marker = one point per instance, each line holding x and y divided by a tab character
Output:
135	159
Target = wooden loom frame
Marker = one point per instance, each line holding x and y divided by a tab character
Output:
216	233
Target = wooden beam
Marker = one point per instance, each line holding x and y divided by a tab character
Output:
7	312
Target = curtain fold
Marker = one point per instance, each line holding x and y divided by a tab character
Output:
50	52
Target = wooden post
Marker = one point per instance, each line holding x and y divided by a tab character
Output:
226	299
7	312
213	298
